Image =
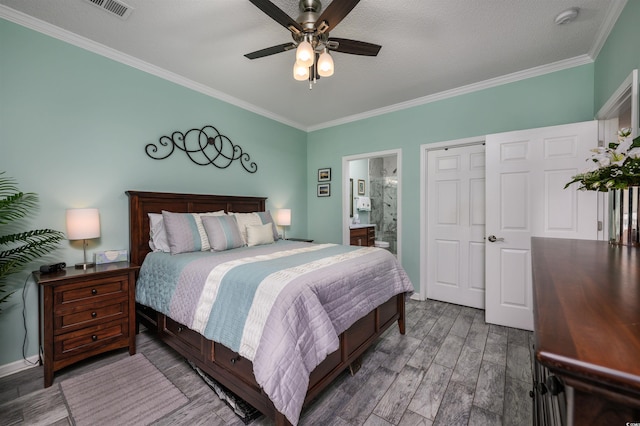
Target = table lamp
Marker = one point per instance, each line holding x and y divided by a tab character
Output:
283	219
83	224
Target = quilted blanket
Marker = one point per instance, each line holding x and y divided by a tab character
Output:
281	306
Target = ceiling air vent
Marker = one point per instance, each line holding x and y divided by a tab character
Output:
121	10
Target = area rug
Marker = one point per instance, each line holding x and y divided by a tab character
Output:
128	392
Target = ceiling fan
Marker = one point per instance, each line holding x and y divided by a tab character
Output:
310	33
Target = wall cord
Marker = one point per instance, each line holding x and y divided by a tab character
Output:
24	323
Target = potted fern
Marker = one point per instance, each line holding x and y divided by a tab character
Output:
18	249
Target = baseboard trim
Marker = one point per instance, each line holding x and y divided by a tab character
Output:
416	296
17	366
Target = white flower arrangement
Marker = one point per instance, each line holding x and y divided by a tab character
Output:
616	166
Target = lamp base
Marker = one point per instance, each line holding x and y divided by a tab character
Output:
85	266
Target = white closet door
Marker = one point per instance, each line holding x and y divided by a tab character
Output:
456	225
526	174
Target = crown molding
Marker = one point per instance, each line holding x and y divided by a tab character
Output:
48	29
100	49
463	90
614	12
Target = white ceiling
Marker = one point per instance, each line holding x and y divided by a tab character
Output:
430	48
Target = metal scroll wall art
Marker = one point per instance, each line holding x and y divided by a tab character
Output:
203	146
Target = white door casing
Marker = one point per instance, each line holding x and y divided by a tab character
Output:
456	225
526	172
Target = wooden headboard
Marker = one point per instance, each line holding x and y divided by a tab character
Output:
142	203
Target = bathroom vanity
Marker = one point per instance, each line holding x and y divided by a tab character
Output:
362	235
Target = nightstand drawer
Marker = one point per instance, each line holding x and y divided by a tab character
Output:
84	340
89	291
84	316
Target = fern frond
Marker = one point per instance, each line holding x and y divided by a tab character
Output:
23	247
17	206
34	244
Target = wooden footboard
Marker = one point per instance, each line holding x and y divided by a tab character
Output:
236	372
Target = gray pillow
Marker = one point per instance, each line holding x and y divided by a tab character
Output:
223	232
183	233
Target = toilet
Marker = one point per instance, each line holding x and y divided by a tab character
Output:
381	244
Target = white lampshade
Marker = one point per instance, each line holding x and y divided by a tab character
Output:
325	65
305	54
83	224
300	72
283	217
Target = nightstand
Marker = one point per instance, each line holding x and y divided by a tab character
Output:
84	313
304	240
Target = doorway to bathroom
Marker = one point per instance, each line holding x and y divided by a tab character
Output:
371	196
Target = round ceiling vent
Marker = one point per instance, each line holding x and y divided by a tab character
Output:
567	16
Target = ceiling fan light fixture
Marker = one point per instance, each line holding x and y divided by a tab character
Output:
305	54
300	72
325	64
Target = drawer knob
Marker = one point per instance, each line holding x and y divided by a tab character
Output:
94	314
180	329
94	291
94	337
233	360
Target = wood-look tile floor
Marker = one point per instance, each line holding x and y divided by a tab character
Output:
450	368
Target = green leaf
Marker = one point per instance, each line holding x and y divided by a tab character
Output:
18	249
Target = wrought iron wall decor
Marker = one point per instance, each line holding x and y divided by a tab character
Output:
203	146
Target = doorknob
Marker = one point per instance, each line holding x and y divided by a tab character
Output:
493	239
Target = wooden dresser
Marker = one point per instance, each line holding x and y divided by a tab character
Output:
363	236
587	330
85	313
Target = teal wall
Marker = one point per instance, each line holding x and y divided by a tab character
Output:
73	127
619	55
557	98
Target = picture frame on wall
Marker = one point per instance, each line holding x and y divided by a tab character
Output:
324	190
324	175
360	186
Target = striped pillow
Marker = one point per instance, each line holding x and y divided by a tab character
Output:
244	220
223	232
183	232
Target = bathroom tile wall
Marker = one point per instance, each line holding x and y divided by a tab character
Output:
383	182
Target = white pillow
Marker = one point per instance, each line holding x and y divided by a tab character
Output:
259	234
244	220
157	234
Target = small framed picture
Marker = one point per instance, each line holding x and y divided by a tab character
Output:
324	175
324	190
360	187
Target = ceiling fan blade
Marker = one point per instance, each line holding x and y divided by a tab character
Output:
270	51
275	13
354	47
334	13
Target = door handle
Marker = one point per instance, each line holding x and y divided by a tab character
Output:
493	239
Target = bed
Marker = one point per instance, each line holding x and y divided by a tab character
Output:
331	341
